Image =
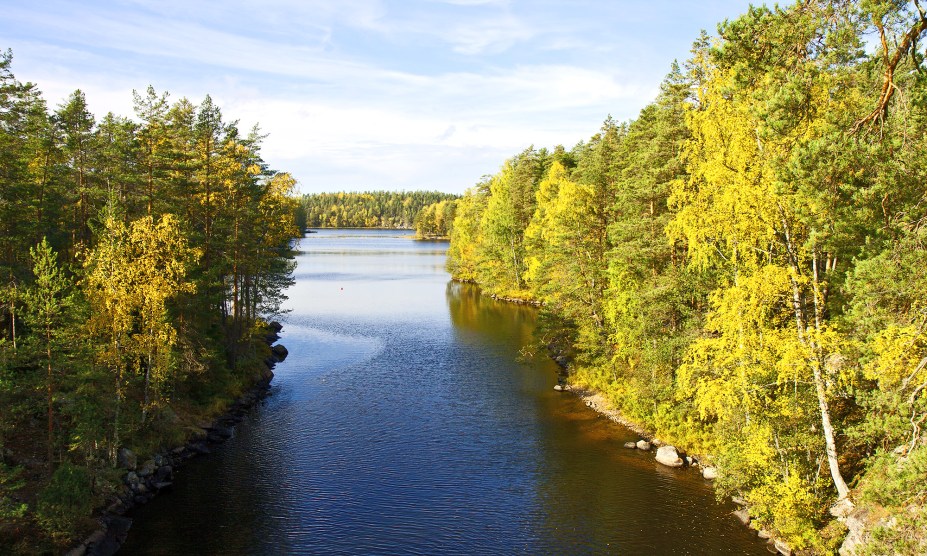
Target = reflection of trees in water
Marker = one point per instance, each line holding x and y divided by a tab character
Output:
472	311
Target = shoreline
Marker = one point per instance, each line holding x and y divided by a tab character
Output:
597	401
142	481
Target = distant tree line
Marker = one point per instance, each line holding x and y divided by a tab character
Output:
743	268
138	259
371	209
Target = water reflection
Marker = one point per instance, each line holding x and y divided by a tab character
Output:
405	422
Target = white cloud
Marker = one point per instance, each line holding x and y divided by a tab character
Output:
363	93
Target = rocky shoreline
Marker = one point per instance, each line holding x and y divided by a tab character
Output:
142	481
666	455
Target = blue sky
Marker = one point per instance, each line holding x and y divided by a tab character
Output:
370	94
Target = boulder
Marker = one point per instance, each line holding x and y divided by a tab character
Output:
147	469
842	508
117	528
558	388
131	478
643	445
710	473
668	456
743	515
199	448
126	459
164	473
275	326
782	547
79	550
279	352
630	445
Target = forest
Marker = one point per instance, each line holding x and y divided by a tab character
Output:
139	259
742	269
370	209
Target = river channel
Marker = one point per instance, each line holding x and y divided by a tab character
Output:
406	420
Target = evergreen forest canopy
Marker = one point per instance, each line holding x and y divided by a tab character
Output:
370	209
743	268
138	259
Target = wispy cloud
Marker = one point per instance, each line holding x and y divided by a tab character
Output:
364	93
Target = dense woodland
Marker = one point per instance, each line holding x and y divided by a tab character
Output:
138	256
436	220
371	209
743	267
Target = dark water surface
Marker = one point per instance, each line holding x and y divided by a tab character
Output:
403	423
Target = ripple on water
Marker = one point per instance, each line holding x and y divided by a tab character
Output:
403	423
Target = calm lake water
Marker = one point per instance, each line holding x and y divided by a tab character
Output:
406	421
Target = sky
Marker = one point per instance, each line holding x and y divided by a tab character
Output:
369	94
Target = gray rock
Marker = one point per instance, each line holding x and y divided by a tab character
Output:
79	550
162	485
743	515
857	535
279	352
842	508
782	547
764	534
200	448
126	459
164	473
131	478
147	469
117	528
558	388
710	473
668	456
631	445
224	431
643	445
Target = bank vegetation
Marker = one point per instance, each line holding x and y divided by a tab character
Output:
742	269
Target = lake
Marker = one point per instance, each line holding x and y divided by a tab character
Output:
408	420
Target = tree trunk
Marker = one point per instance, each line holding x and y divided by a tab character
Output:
51	398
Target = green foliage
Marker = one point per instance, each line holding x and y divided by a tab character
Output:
894	485
740	268
10	482
65	500
138	261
